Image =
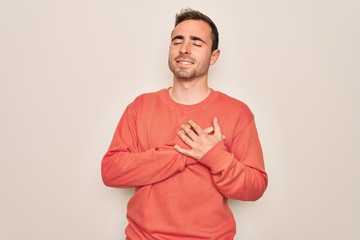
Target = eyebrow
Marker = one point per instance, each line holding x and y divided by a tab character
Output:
194	38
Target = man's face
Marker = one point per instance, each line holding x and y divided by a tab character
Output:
190	52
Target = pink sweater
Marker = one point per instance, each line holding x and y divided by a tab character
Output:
177	197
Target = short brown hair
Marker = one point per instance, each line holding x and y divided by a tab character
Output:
190	14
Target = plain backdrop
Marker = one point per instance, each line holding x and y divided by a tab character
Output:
69	68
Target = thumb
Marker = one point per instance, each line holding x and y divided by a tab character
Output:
209	130
217	129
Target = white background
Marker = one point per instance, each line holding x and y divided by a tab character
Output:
68	69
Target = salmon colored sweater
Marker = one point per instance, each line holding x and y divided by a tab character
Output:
177	197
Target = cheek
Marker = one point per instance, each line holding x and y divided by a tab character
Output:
172	52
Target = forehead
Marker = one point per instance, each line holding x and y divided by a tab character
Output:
196	28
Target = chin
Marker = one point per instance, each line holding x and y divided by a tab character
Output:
185	76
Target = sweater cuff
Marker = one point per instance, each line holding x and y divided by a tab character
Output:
216	157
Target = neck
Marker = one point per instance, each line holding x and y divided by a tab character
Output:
190	92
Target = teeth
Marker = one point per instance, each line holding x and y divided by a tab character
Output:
183	62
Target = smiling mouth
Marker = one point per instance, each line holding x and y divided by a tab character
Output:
184	62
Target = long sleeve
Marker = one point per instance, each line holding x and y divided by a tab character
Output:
124	165
239	174
174	191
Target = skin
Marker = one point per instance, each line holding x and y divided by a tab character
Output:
190	57
199	140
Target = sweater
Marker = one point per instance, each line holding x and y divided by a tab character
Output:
177	197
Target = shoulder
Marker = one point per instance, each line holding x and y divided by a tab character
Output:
149	95
232	104
147	99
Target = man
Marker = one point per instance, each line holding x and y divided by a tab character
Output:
186	149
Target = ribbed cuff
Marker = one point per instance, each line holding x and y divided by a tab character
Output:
216	157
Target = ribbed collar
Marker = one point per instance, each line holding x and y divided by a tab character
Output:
188	108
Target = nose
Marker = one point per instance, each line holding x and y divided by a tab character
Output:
185	49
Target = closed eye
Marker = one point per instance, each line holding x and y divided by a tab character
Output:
177	39
198	41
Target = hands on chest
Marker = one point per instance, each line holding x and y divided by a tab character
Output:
199	140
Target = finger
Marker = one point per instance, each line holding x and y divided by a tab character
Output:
186	129
209	130
180	149
185	138
196	127
217	129
186	152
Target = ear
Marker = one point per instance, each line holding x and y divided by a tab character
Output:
214	56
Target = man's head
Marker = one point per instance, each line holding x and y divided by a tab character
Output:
194	45
190	14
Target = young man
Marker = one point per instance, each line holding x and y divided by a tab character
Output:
186	149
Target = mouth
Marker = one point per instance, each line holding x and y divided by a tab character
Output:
184	62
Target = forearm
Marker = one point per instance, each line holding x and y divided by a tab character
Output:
121	168
235	179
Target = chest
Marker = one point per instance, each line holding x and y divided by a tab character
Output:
160	125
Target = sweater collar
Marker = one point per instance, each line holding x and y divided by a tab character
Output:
193	107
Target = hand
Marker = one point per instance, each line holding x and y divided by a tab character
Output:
199	140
